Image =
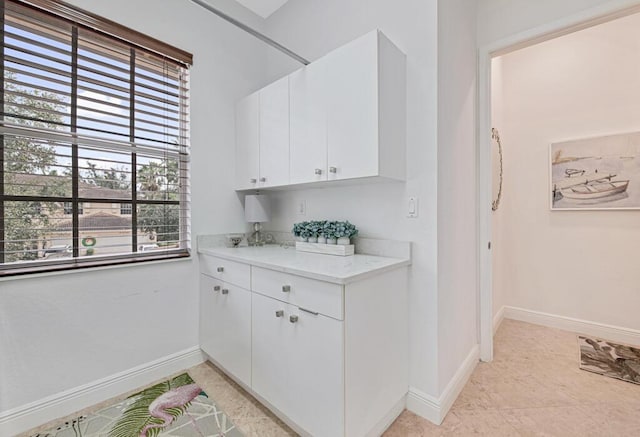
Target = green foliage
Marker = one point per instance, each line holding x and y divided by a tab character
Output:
159	181
24	221
116	178
324	228
345	229
136	416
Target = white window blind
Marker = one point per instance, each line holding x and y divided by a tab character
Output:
94	142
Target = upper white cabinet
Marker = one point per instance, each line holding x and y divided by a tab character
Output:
308	97
346	117
247	142
352	121
274	134
262	138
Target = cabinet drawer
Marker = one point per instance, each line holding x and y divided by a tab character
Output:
310	294
228	271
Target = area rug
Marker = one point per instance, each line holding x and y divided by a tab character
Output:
176	408
610	359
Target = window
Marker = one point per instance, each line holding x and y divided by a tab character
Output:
93	141
68	208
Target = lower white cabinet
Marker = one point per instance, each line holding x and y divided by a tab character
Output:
297	364
225	326
330	359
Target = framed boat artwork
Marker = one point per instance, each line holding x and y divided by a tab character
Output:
600	173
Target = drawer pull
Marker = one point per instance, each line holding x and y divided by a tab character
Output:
225	291
280	313
308	311
216	288
286	288
318	171
263	179
253	181
220	269
293	319
333	170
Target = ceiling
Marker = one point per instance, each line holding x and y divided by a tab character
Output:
264	8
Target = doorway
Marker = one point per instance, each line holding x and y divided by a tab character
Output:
490	58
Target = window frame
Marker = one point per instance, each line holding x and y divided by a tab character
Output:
78	19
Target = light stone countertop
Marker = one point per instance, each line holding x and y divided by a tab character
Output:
329	268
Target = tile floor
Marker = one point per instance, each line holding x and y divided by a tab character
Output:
532	388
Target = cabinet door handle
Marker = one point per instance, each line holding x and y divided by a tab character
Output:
308	311
293	319
225	291
216	288
318	171
263	179
286	288
333	170
253	180
220	269
280	313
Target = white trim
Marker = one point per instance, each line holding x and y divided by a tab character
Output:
424	405
498	318
602	13
435	409
384	423
36	413
599	330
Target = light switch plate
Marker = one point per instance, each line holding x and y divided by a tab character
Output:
302	207
412	207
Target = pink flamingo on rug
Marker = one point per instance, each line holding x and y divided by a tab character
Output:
175	398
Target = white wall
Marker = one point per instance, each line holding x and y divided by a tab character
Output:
60	331
457	229
312	29
499	19
576	264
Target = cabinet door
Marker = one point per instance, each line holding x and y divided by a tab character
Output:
352	125
297	365
269	369
308	103
247	142
316	375
274	134
225	326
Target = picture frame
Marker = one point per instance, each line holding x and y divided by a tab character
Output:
597	173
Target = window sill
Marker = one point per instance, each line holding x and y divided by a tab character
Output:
85	267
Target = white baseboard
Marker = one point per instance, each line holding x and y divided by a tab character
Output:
600	330
388	418
424	405
497	319
28	416
435	409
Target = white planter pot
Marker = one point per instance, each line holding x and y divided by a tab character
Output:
344	241
313	239
331	241
322	240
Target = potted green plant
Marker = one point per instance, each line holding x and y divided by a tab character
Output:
313	231
322	238
344	232
329	232
299	231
